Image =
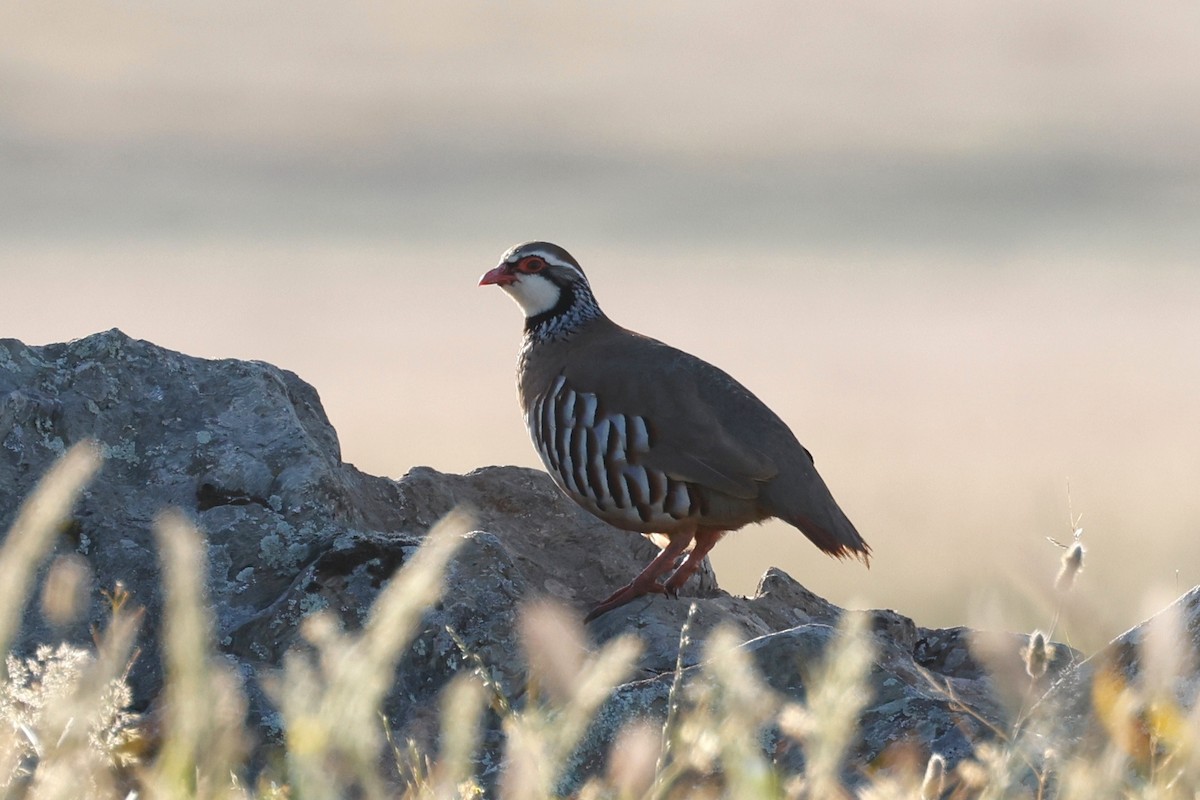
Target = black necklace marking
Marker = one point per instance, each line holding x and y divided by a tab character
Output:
575	306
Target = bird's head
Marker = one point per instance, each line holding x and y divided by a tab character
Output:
547	283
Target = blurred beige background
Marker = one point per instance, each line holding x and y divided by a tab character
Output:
954	245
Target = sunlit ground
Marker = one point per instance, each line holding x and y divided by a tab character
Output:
961	412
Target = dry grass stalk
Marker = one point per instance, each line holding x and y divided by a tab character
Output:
541	739
331	705
838	695
32	534
204	736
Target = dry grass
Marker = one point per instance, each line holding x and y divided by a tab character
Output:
66	729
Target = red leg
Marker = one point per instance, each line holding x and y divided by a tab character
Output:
705	541
646	582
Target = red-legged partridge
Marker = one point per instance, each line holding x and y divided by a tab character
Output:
649	438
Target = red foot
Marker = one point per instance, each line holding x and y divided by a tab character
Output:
622	596
647	582
705	541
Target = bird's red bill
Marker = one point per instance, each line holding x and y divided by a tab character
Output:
500	276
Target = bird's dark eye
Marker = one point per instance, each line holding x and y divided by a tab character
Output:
532	264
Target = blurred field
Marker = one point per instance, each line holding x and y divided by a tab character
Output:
955	247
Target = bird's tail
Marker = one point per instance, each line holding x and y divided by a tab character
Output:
836	535
806	503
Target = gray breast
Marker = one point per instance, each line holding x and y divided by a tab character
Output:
593	455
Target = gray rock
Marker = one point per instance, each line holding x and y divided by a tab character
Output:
1155	662
246	449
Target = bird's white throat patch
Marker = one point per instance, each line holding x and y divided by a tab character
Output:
535	294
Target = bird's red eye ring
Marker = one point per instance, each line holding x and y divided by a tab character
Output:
532	264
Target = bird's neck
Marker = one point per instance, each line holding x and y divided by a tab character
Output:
576	307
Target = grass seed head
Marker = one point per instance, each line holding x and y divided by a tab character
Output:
632	761
65	590
934	782
1072	565
554	646
1037	655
